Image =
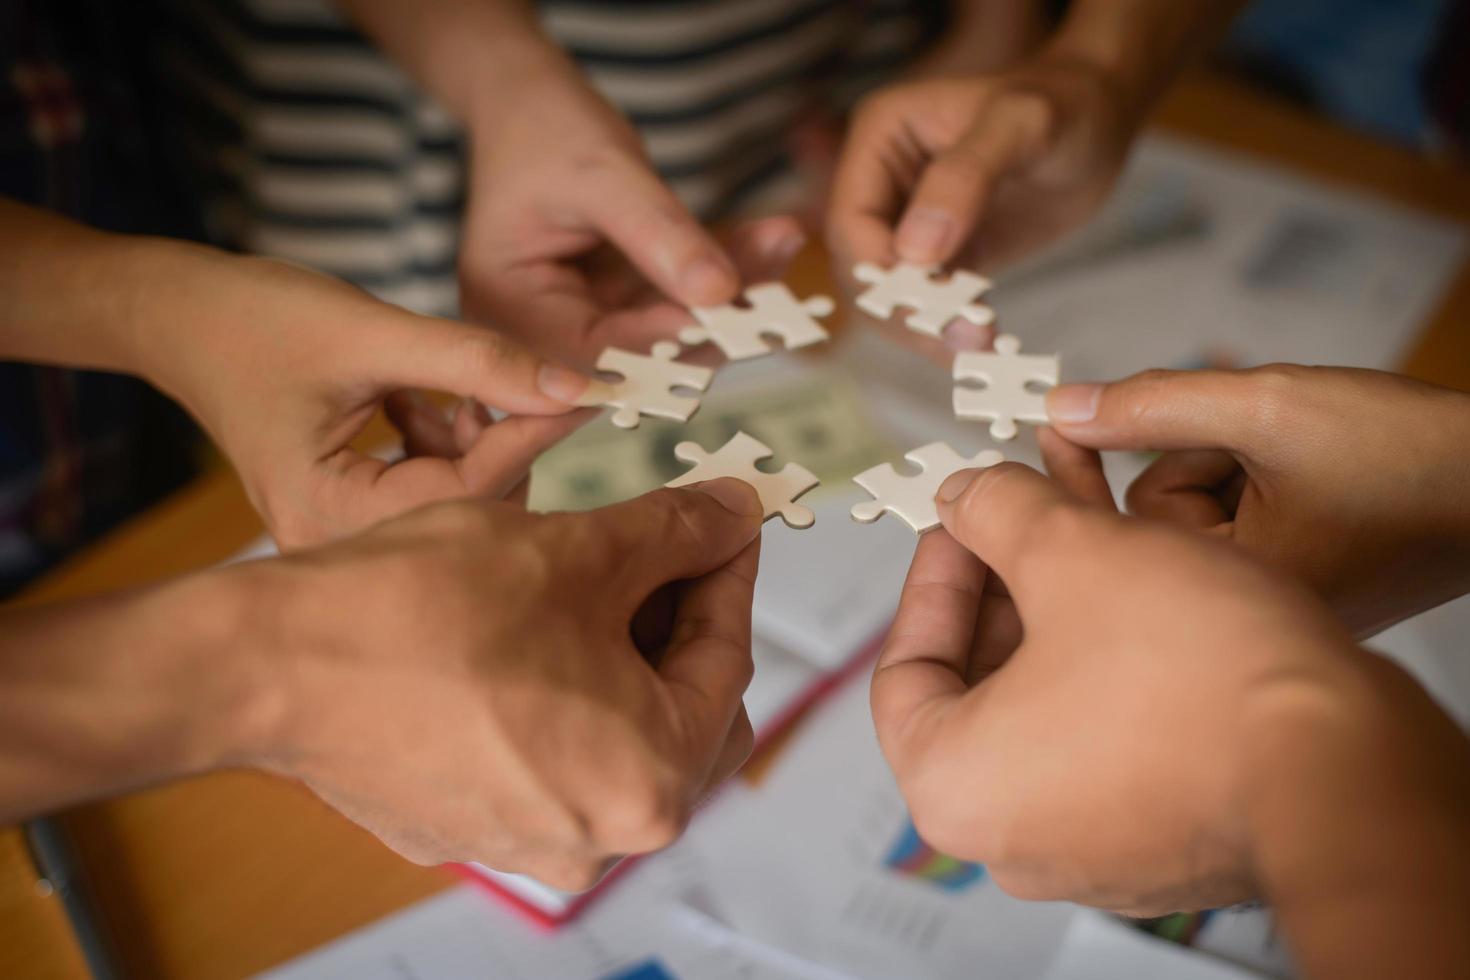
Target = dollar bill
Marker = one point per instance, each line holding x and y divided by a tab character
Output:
817	420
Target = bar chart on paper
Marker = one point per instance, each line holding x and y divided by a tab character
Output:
912	857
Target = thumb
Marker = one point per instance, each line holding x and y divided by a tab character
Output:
674	533
1161	410
633	207
1019	523
955	188
479	363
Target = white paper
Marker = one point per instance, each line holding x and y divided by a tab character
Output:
808	862
1099	947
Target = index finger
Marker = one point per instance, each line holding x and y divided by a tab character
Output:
924	663
867	195
1018	522
708	663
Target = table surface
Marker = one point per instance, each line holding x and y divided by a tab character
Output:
228	874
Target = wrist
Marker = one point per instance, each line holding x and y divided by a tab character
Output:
227	696
1138	45
469	54
155	320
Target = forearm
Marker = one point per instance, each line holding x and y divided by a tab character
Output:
1141	44
106	695
63	291
984	36
471	55
1361	813
77	297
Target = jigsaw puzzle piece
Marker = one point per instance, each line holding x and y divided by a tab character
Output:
647	385
739	331
737	458
911	498
1009	378
934	302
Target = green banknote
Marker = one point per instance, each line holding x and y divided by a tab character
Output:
817	420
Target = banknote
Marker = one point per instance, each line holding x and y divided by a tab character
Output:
816	419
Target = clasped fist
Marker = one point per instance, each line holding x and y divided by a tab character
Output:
487	701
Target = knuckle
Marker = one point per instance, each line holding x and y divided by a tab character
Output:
462	520
684	515
1274	390
880	104
1055	524
1143	395
964	162
487	351
1033	110
645	815
941	825
566	874
578	539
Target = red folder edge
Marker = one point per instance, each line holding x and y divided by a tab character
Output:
818	691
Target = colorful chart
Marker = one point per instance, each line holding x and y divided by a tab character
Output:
910	856
646	970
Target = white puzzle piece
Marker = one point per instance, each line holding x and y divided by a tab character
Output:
737	458
934	303
1008	377
648	385
911	498
773	311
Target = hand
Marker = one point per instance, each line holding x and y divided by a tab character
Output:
284	367
462	682
573	243
977	171
1356	482
1086	727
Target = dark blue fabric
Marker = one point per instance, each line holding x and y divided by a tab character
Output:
82	451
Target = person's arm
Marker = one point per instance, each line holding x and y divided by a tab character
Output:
107	695
1108	710
983	36
1356	482
475	56
283	367
1359	814
1141	45
555	176
980	169
449	630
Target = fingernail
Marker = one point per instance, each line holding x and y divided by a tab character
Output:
734	495
923	235
1073	403
562	384
957	483
706	282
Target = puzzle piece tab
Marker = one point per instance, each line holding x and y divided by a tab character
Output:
934	303
1006	397
773	311
911	498
737	458
647	385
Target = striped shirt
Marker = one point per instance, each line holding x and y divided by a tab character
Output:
315	148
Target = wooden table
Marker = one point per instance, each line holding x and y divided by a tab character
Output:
228	874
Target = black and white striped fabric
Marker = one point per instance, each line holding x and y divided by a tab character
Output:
317	149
